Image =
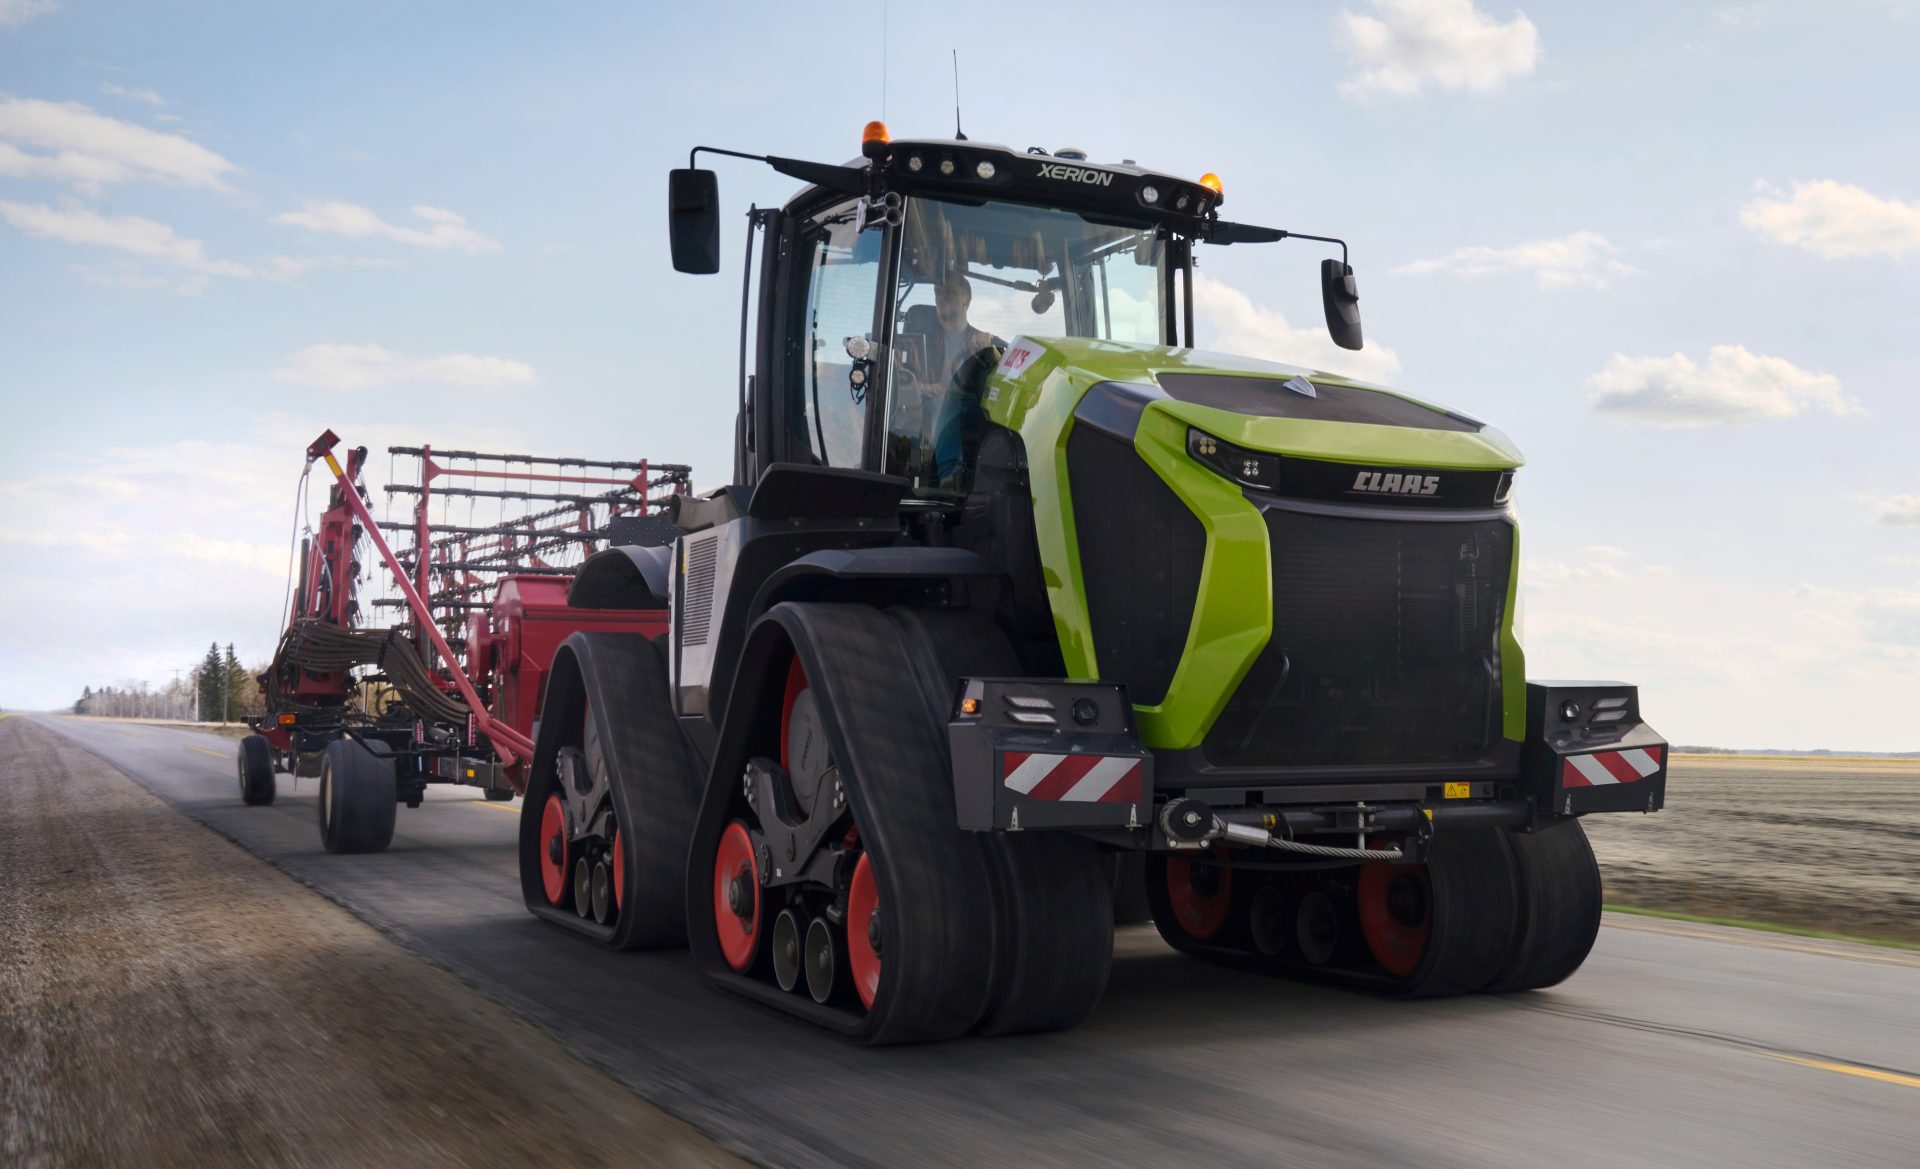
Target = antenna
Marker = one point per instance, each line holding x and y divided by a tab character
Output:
958	133
884	13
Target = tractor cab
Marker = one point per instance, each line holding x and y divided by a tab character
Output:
892	286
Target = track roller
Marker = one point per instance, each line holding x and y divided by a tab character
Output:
256	770
358	798
609	802
1559	910
1192	898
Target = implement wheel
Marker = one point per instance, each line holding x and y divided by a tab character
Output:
256	771
1559	886
358	797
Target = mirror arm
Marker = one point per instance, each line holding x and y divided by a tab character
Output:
845	179
1222	232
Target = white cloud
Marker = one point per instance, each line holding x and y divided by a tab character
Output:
363	367
1835	221
145	95
1581	259
72	143
448	229
1901	511
128	233
1447	43
14	13
1231	322
158	243
1733	387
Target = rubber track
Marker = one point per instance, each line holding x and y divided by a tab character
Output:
622	677
935	881
1053	908
1560	896
1475	913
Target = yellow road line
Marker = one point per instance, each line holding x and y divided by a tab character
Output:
498	807
204	751
1848	1069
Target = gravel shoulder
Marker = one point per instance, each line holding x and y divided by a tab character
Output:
167	999
1820	843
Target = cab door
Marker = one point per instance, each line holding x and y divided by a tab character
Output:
821	371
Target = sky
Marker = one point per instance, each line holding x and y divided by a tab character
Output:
1672	250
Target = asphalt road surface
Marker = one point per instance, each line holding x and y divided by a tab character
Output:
1673	1046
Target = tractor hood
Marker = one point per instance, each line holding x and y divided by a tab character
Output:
1183	502
1260	405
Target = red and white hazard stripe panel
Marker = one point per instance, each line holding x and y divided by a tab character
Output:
1605	767
1083	779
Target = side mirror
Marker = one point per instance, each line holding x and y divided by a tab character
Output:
693	220
1341	296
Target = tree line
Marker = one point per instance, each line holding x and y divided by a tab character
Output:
218	689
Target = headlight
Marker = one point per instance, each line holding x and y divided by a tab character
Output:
1255	469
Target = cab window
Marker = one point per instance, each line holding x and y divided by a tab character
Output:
828	421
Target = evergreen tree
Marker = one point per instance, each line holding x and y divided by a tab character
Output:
210	684
236	691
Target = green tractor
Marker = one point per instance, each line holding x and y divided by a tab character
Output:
1018	603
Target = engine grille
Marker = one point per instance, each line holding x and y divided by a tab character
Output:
1385	645
1141	550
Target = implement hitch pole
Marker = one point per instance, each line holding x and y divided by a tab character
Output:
511	744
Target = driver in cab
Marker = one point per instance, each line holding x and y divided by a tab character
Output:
950	389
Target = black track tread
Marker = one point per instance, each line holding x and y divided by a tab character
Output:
1053	909
653	782
934	879
257	785
1560	897
1054	933
1475	912
364	799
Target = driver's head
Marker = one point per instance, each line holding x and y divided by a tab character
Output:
950	301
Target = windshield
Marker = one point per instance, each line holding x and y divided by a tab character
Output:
973	277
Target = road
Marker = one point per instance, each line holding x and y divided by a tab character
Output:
1674	1045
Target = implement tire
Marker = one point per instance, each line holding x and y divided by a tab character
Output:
358	797
1559	913
256	771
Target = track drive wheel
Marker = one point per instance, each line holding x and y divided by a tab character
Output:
1193	900
1559	887
256	770
358	798
554	868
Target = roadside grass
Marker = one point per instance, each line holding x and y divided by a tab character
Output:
1764	926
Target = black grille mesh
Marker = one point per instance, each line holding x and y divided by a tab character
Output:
1141	550
1385	645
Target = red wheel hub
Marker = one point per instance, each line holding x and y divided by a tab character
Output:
619	867
863	931
736	897
1201	894
1395	914
553	849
